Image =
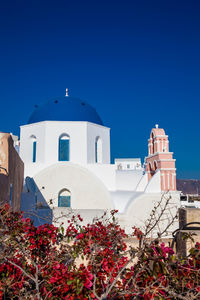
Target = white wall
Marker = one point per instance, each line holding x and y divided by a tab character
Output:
61	215
128	180
106	173
140	208
26	143
134	210
142	183
77	134
93	131
82	143
128	163
87	191
154	184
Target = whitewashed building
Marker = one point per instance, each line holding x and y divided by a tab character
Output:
66	152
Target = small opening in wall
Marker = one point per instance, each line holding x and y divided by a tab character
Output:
98	150
56	101
119	167
34	147
83	103
64	198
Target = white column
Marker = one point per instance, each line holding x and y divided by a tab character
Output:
168	181
173	181
164	180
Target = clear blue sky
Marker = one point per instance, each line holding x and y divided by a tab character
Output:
136	62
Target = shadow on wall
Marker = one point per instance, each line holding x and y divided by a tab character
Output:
4	189
34	205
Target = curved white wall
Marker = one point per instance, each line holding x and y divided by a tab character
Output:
140	208
87	191
154	185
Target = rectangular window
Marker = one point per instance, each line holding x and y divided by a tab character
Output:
64	201
63	150
34	151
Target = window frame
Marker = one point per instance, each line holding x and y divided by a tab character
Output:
62	198
64	154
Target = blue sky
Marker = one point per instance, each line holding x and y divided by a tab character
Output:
136	62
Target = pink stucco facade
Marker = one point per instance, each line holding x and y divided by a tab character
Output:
159	158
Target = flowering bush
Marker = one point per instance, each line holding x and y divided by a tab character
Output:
89	262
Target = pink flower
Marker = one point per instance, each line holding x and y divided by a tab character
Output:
57	266
88	284
90	276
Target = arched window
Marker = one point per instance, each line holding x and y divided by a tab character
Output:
151	172
63	147
98	150
64	198
34	148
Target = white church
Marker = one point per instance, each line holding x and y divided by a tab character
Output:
66	153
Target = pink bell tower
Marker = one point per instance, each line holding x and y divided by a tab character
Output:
159	158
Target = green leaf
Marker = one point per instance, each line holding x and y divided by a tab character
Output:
62	230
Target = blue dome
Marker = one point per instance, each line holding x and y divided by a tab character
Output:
65	109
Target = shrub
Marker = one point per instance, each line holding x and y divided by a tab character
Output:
90	262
